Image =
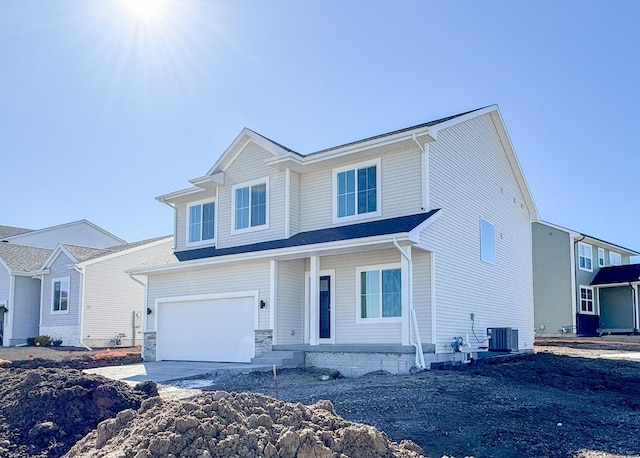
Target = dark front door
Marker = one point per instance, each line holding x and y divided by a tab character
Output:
325	307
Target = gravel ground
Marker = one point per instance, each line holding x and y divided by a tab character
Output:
564	401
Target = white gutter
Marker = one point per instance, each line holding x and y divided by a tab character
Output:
417	343
81	306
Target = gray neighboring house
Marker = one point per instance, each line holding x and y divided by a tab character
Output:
23	252
578	285
19	291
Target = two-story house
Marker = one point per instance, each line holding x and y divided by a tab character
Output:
582	284
376	254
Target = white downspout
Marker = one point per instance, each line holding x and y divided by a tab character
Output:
417	342
81	306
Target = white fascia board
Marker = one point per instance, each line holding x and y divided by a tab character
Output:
615	285
573	234
414	234
106	257
298	251
347	150
59	249
172	196
209	181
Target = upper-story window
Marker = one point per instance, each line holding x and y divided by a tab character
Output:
251	205
60	295
615	259
487	242
584	257
600	257
356	191
201	222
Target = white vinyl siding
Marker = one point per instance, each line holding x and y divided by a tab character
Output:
400	187
294	204
226	278
470	175
61	268
112	297
290	301
77	233
5	279
585	257
422	292
246	169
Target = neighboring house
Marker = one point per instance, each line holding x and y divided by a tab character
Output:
87	297
83	233
19	292
22	252
581	283
377	254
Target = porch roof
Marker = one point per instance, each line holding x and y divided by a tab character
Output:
628	273
399	225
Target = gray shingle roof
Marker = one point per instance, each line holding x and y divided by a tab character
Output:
82	253
8	231
20	258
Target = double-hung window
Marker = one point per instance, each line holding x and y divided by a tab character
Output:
600	257
60	295
379	292
615	259
584	257
201	222
586	300
250	205
357	191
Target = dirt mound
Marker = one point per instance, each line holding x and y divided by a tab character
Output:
45	411
221	424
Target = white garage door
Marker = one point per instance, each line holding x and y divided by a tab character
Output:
206	330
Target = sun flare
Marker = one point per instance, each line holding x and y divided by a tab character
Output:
146	10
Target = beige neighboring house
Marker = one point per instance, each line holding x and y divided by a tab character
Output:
88	298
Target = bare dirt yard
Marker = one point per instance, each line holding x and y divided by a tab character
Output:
569	399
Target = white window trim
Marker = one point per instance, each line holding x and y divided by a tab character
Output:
586	245
493	262
334	191
262	227
613	253
53	282
379	267
215	222
601	257
593	300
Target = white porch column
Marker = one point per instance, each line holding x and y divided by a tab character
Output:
407	294
273	294
314	298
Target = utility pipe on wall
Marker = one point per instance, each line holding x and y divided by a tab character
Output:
413	322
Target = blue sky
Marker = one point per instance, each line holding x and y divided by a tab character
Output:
102	109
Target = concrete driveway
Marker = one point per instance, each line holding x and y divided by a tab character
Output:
169	371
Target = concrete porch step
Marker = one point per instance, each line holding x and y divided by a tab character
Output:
280	358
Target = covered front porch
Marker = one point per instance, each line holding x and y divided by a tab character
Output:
617	290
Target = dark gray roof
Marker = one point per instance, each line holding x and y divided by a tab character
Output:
406	129
9	231
85	253
387	226
20	258
628	273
